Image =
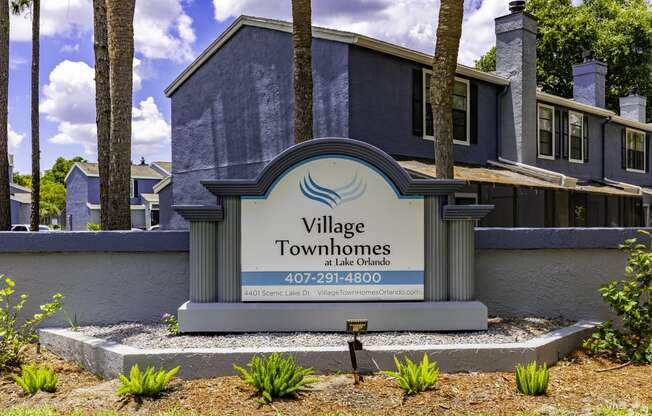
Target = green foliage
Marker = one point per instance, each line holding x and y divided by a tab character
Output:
22	180
275	376
172	324
487	62
150	383
620	33
34	379
413	378
631	299
93	227
60	169
532	380
53	198
15	333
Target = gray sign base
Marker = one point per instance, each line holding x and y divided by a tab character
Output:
291	317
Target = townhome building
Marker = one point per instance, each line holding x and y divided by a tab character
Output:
542	160
20	199
83	194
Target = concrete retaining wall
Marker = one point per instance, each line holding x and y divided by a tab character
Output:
118	276
105	277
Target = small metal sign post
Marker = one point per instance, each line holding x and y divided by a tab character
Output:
356	326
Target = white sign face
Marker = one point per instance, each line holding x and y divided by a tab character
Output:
332	228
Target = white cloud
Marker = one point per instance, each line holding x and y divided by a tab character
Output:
69	101
162	30
15	139
60	17
68	48
150	130
409	23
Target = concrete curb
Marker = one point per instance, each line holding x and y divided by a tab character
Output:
108	359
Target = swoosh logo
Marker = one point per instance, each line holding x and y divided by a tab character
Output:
332	197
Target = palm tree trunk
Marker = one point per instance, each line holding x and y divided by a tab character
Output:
302	76
36	151
5	204
120	18
102	106
444	64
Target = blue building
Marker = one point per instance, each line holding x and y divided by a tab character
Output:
543	160
20	199
83	194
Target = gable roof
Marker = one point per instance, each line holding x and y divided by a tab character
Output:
322	33
162	184
166	167
137	171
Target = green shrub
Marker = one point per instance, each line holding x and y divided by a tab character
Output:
413	378
631	299
533	379
33	379
172	324
15	334
151	383
275	376
93	227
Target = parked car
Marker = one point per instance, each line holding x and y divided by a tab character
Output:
25	227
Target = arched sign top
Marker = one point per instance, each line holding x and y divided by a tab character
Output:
385	165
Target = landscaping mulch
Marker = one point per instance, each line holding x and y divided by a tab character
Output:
575	386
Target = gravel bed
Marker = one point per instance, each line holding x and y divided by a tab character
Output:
154	335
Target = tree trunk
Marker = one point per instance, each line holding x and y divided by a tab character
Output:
36	151
302	74
120	18
444	64
5	204
102	106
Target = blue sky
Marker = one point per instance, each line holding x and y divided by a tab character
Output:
168	35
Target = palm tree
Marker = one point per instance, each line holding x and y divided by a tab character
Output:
5	205
17	7
442	80
302	63
120	35
102	106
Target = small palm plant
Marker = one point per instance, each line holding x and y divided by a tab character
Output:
275	376
413	378
533	379
150	383
34	379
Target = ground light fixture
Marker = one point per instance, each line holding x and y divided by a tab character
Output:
356	326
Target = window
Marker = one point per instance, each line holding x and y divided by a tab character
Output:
576	137
635	145
131	188
461	111
546	135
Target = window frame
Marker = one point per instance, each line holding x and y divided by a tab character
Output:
627	130
424	73
132	188
570	137
539	155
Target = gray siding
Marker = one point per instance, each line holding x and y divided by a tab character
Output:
589	170
597	168
76	198
381	109
613	166
235	113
